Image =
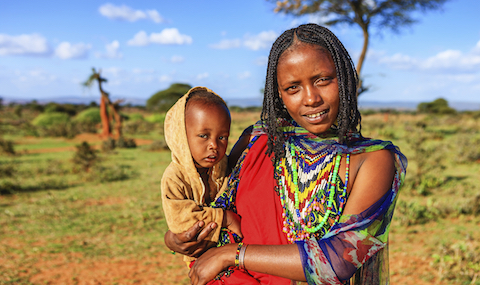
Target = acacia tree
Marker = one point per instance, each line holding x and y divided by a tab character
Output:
105	102
382	14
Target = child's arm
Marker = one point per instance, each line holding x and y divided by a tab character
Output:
232	222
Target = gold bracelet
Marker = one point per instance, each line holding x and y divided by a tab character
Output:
241	257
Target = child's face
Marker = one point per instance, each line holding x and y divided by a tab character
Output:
208	128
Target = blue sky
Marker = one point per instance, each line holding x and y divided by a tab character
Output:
47	48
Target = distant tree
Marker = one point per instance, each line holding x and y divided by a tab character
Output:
105	102
382	14
1	103
164	99
438	106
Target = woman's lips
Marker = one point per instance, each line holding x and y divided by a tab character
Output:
316	117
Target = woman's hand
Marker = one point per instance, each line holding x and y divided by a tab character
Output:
191	242
211	263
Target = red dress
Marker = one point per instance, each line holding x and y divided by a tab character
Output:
261	211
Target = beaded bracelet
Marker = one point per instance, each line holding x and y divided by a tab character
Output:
237	256
241	257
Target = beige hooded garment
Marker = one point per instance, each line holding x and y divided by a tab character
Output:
183	191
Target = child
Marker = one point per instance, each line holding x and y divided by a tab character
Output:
196	131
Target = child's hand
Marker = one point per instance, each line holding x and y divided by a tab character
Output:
232	222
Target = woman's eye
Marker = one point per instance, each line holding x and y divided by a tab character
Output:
291	89
323	81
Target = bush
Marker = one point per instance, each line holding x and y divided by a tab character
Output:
157	145
88	120
438	106
459	262
84	157
69	109
6	147
125	143
156	118
102	173
51	119
164	100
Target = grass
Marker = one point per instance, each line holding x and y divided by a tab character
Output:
77	223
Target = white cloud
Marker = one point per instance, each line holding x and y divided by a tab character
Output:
66	50
165	78
202	75
143	71
140	39
125	13
263	60
451	60
244	75
33	44
263	40
112	51
166	37
227	44
177	59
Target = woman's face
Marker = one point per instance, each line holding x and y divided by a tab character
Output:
307	83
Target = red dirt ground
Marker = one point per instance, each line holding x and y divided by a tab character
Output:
405	267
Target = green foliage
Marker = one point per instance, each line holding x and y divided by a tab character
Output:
429	159
87	120
51	119
438	106
467	148
103	174
69	109
164	99
458	261
156	118
135	117
6	147
157	145
85	157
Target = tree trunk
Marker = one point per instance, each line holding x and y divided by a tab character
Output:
104	117
361	59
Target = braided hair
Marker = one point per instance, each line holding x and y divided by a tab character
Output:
348	115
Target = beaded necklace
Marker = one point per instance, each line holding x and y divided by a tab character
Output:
307	184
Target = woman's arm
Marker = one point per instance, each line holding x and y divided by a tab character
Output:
278	260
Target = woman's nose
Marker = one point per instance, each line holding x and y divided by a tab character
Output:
312	96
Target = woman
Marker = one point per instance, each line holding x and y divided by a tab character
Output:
315	197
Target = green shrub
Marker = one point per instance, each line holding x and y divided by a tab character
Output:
139	127
84	157
6	147
108	145
102	173
125	143
156	118
458	262
135	117
88	120
51	119
412	213
157	145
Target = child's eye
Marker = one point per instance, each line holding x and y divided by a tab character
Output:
223	138
203	136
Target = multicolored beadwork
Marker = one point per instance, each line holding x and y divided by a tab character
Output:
307	184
